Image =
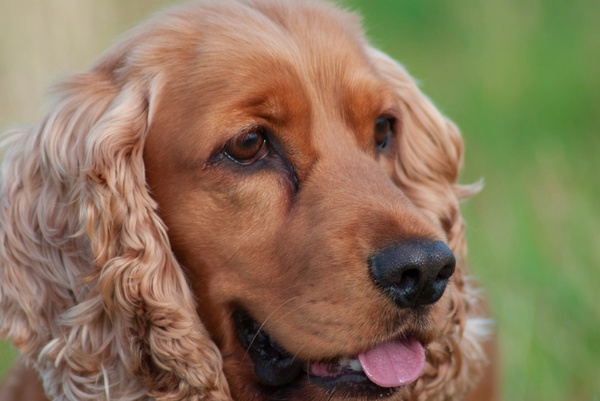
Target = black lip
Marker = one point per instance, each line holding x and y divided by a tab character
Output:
352	385
281	373
273	365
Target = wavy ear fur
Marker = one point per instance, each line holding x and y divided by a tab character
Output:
429	160
89	289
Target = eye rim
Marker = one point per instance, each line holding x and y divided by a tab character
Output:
383	136
262	148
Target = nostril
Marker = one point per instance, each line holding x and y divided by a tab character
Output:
408	284
446	272
409	278
441	280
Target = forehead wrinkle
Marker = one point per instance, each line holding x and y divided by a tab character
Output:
321	43
345	110
320	51
363	101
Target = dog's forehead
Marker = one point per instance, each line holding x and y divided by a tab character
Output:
292	64
288	54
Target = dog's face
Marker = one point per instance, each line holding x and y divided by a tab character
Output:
272	154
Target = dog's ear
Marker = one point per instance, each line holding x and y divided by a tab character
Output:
429	158
89	288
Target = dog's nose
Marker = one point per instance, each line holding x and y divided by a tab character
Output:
414	272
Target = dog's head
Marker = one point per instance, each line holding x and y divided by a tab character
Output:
245	182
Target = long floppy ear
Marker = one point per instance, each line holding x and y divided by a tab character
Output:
426	169
89	289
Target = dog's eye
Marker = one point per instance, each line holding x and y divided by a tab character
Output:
247	147
384	131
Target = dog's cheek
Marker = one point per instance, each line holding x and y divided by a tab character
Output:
225	230
438	323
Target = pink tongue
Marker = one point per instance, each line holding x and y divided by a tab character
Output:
395	363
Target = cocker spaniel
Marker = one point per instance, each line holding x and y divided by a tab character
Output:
241	200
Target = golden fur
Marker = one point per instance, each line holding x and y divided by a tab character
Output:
124	244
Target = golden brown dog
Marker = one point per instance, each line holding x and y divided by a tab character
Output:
242	200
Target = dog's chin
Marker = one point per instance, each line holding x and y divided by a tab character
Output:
281	375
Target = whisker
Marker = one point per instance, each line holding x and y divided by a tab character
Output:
303	345
263	325
292	311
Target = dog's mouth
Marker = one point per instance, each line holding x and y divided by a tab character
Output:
377	372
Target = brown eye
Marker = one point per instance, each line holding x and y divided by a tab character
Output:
384	131
247	148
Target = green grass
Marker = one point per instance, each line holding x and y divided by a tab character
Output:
7	355
522	80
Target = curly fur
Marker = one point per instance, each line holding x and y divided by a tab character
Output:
90	290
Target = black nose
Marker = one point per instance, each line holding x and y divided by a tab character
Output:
414	272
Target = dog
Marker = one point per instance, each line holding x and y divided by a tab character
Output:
242	200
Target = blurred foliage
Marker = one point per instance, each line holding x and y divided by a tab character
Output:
522	80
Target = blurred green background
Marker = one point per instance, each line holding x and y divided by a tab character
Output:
522	80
